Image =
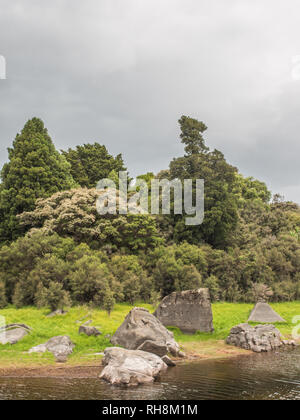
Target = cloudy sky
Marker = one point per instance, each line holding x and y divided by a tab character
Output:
122	72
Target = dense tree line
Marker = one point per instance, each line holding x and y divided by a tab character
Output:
56	250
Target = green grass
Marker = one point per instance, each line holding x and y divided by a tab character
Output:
226	315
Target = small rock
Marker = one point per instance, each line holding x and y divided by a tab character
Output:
289	343
153	347
89	331
58	312
168	361
13	333
11	326
97	354
61	347
61	358
87	322
38	349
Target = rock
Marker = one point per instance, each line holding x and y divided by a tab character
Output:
38	349
141	330
259	339
12	335
61	347
87	322
290	343
131	367
90	331
107	336
154	347
263	312
168	361
57	313
79	321
189	310
10	326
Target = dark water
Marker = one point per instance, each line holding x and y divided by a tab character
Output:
268	376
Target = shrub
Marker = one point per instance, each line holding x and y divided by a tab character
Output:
131	288
108	301
89	280
3	300
53	296
212	283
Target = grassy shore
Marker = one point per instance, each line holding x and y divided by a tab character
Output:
200	345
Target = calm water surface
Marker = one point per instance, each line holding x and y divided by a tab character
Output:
268	376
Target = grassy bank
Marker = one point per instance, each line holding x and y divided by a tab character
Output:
203	345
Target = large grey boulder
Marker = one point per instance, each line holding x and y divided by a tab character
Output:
13	333
131	367
189	310
262	312
143	331
261	338
61	347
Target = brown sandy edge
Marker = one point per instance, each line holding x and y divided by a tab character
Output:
93	370
55	371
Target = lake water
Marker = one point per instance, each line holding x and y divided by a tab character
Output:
270	376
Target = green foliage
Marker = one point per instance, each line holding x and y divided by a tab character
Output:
191	135
53	296
89	280
91	162
131	287
220	203
73	213
251	189
18	260
171	274
3	300
155	298
212	283
35	169
108	301
245	243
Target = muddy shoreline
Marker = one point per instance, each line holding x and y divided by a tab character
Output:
55	371
93	369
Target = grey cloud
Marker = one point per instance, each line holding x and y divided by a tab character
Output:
123	71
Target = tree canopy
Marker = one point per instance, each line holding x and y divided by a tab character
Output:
35	169
57	250
91	162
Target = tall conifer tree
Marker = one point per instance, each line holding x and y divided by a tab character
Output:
35	170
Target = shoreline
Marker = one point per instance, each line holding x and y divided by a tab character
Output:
15	361
199	351
202	351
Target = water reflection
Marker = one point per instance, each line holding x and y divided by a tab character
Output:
261	376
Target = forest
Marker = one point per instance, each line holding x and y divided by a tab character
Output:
57	251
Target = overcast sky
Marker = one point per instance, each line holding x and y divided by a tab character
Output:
122	72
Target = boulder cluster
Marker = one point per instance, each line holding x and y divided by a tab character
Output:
144	357
261	338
